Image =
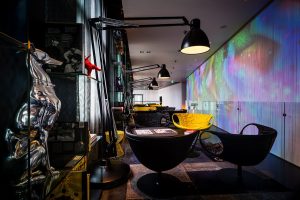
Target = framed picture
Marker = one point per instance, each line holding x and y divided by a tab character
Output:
63	42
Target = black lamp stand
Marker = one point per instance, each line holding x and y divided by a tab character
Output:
107	172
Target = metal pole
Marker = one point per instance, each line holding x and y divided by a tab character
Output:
28	102
98	87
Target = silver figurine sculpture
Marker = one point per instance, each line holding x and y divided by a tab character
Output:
44	110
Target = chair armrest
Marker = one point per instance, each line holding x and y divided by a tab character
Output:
213	149
242	131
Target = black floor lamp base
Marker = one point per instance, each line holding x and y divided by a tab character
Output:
109	175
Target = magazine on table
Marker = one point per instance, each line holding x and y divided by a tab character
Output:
164	130
144	132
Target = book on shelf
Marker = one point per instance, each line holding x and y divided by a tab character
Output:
92	139
68	138
63	43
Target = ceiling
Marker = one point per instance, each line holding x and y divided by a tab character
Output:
220	20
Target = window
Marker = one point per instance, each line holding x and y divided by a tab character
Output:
137	98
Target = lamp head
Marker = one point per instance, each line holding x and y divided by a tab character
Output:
195	41
150	87
154	83
163	73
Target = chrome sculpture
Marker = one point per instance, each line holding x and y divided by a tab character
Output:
44	110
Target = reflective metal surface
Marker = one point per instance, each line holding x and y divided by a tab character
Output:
44	110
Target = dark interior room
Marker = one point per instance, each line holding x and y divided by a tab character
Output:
137	99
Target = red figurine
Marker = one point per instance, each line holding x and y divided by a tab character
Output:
89	66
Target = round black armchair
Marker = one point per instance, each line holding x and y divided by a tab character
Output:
149	119
159	152
240	149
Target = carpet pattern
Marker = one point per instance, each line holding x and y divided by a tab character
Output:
138	170
209	181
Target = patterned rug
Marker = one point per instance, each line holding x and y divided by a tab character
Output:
208	181
180	172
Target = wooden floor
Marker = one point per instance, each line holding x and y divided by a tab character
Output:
203	179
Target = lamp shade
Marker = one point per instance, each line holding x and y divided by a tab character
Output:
150	87
195	41
163	73
154	83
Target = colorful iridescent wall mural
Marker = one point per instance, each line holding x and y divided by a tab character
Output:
255	77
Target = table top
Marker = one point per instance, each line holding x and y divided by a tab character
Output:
161	132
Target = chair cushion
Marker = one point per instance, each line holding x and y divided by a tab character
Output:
194	121
144	108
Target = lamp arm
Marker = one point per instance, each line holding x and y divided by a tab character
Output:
140	80
121	24
141	83
144	68
157	18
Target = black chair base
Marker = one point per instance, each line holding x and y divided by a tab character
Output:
160	185
193	154
194	150
110	175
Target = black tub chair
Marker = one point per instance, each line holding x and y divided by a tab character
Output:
239	149
159	153
149	119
